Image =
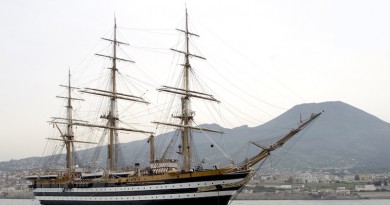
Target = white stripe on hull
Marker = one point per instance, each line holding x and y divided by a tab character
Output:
139	198
143	188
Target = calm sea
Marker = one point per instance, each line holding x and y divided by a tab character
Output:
266	202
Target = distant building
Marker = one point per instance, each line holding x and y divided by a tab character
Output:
342	191
308	177
365	177
349	178
285	186
366	187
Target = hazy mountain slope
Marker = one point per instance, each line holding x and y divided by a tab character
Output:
343	137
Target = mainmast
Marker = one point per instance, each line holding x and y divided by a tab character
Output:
187	115
112	116
114	95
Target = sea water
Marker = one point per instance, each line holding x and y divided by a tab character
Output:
246	202
19	202
312	202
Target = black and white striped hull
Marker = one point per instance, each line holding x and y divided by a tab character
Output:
217	198
207	190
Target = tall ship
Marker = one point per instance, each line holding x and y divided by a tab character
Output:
163	180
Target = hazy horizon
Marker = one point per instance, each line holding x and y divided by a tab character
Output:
263	57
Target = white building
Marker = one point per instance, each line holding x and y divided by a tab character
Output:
285	186
367	187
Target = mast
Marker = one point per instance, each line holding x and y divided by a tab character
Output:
68	136
151	149
112	116
186	149
69	131
186	114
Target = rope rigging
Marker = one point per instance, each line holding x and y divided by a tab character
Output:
170	107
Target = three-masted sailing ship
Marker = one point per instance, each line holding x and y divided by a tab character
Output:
165	181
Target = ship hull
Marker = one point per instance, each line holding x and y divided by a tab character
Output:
215	200
216	190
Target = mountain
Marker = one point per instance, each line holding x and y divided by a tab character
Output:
343	137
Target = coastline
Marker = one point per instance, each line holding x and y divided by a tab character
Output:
375	195
261	196
17	195
307	196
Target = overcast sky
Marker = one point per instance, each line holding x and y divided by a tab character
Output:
263	57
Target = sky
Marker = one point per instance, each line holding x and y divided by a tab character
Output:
263	57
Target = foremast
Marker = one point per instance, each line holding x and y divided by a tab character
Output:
186	114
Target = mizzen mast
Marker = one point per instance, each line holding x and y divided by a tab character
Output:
69	131
68	137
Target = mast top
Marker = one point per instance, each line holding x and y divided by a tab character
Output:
114	21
